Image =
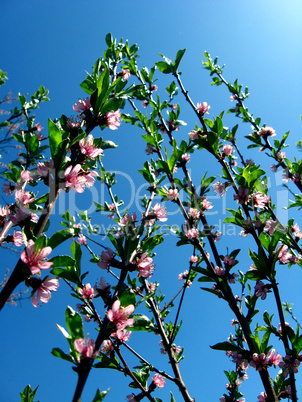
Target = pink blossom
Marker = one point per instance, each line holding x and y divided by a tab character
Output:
122	335
24	197
222	399
296	177
73	124
194	259
232	278
240	380
274	168
289	365
183	275
90	178
145	266
258	361
42	169
266	131
284	255
219	271
20	216
172	194
126	73
82	239
274	358
160	212
206	205
87	292
192	233
149	149
250	162
242	196
260	200
262	397
106	257
107	347
216	235
74	178
18	239
158	381
233	97
261	290
296	231
119	315
281	155
229	260
194	213
36	259
145	104
219	188
47	286
88	148
186	158
203	107
131	398
154	88
270	226
127	218
82	105
85	351
113	119
227	150
193	135
26	175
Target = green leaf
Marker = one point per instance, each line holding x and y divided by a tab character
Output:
99	396
77	255
164	67
74	323
55	138
28	394
60	236
225	346
33	144
57	352
178	58
107	362
172	397
142	323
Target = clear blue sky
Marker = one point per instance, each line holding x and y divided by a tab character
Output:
53	43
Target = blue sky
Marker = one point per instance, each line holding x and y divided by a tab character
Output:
53	44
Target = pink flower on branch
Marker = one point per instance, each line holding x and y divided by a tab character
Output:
88	148
78	179
192	233
87	292
203	107
227	150
119	315
126	73
145	266
85	351
35	259
158	381
47	286
113	119
261	290
262	397
160	212
106	257
267	132
172	194
82	105
24	197
219	188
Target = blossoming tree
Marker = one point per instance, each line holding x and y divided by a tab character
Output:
72	161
